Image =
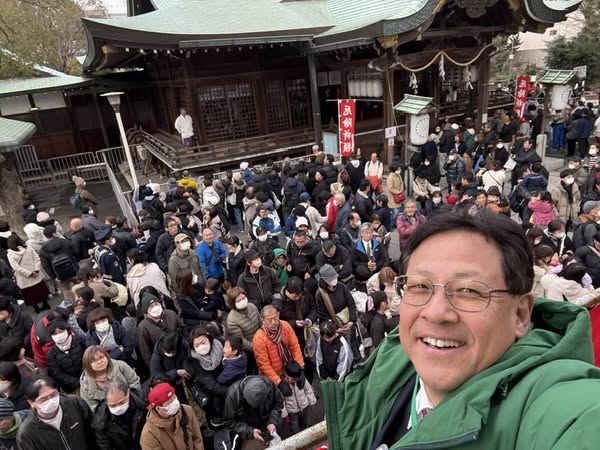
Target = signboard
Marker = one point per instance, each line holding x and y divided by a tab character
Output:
390	132
346	116
580	71
521	93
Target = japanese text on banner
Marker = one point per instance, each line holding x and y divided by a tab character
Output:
346	115
521	93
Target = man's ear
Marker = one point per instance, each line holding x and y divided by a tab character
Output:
523	315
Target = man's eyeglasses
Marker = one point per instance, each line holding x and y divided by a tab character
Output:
463	295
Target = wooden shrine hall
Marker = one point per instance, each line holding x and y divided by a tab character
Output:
260	78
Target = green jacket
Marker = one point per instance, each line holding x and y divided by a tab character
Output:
544	393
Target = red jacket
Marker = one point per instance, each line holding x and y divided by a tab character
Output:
267	357
406	228
41	343
331	210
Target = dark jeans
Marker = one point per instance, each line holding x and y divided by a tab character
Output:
571	143
582	145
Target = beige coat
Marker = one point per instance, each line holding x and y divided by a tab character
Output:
142	275
560	197
394	185
24	262
161	433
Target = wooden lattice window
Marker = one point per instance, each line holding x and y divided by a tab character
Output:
229	112
298	98
278	117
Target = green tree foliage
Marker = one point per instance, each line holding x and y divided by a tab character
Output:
47	32
581	50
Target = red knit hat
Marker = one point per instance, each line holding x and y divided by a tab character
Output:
160	394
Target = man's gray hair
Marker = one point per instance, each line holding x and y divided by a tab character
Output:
115	386
366	226
339	197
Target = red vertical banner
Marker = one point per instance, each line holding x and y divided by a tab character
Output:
521	93
346	118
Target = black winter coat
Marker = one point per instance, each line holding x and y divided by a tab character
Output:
124	242
340	299
195	310
341	261
591	261
292	310
360	258
52	248
66	367
357	174
121	338
261	287
18	326
207	382
82	241
303	260
164	248
363	206
76	430
168	366
236	265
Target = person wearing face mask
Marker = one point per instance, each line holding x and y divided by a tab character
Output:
99	370
169	424
156	321
580	172
64	358
455	168
195	308
259	282
542	258
103	330
120	418
589	255
205	364
338	257
184	257
104	290
244	319
55	419
89	219
58	261
264	245
566	196
587	225
12	385
435	205
108	262
556	237
590	160
10	422
168	360
334	302
143	273
14	321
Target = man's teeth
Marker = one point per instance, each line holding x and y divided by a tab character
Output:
441	344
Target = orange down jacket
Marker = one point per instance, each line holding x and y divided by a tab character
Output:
266	354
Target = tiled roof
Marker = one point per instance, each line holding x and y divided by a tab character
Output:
14	132
15	86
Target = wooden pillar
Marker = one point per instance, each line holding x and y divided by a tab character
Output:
314	97
78	141
436	93
197	113
100	120
260	96
388	113
483	76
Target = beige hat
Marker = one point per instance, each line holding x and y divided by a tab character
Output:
181	237
42	217
78	181
336	188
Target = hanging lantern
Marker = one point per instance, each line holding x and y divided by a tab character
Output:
378	88
474	73
352	88
371	88
561	94
419	128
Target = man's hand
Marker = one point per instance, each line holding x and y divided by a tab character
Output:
271	428
183	373
371	265
258	435
300	323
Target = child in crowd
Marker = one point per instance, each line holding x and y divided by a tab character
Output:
213	296
334	356
234	362
295	404
279	265
542	209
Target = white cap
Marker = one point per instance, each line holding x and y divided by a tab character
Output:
243	165
499	145
301	221
454	126
315	147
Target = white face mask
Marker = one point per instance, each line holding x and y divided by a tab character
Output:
436	200
102	327
173	408
242	304
4	386
593	151
113	241
195	279
119	410
537	241
559	235
332	283
61	337
185	245
324	235
263	238
203	349
31	207
91	212
155	311
572	166
50	406
569	180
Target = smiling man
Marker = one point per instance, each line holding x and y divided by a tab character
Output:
475	364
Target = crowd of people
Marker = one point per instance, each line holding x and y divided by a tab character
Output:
208	324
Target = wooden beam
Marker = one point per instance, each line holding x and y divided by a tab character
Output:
483	69
461	32
314	97
101	121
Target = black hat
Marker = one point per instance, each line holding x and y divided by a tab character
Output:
103	234
251	255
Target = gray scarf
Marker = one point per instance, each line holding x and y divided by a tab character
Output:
107	340
211	361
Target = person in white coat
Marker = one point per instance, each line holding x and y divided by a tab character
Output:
142	274
28	273
185	127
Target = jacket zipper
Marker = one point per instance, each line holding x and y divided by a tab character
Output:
470	437
62	436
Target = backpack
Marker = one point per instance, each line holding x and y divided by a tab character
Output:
291	198
64	267
75	201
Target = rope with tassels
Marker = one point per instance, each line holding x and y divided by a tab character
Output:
443	54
